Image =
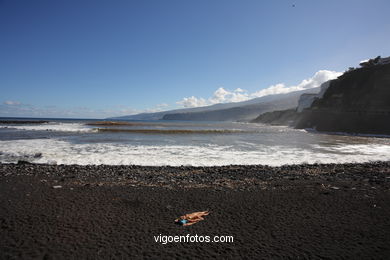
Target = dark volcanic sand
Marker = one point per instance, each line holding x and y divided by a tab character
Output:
304	211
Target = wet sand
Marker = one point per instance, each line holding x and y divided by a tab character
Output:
305	211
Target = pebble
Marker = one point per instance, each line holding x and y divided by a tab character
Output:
235	176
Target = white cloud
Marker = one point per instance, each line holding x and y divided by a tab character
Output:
222	95
11	103
313	82
192	102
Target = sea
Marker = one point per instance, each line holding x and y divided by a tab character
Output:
177	143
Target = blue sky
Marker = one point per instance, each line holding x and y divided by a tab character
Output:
107	58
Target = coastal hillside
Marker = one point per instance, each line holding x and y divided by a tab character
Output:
356	102
279	117
289	117
245	111
234	111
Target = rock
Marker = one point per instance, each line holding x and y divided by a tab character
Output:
23	162
57	187
37	155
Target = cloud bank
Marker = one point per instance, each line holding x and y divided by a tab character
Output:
222	95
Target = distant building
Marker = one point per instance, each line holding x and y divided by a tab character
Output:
384	60
373	62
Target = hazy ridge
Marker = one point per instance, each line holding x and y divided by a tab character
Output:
235	111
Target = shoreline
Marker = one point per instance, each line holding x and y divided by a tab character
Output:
308	211
314	131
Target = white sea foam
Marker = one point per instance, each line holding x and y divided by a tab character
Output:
62	152
59	127
312	130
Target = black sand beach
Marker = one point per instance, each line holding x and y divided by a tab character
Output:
303	211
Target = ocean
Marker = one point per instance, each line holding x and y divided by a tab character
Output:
176	143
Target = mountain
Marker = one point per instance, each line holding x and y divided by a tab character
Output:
235	111
244	111
289	117
280	117
160	115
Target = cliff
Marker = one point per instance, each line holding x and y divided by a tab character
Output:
281	117
290	116
307	99
356	102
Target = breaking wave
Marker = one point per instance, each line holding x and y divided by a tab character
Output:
170	131
63	152
59	127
